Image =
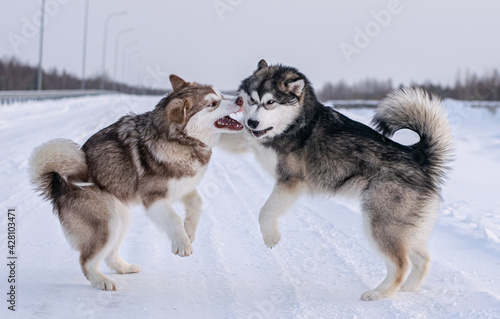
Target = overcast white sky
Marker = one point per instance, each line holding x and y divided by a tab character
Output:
327	40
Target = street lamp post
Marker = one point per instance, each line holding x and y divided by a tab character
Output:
134	65
132	55
84	53
117	45
135	69
40	50
105	43
124	57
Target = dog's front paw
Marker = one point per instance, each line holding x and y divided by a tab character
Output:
181	246
271	235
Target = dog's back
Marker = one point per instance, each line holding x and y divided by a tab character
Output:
112	155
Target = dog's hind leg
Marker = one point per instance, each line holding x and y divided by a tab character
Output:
281	199
397	264
164	216
420	260
419	255
86	224
118	228
192	202
389	234
93	251
90	268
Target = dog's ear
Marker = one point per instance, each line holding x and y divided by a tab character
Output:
177	111
295	86
177	82
262	64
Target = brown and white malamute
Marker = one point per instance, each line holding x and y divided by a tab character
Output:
154	158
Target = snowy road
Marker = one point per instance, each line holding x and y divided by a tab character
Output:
319	269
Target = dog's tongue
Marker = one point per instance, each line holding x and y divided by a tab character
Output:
229	123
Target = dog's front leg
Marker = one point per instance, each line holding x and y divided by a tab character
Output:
192	202
165	217
281	199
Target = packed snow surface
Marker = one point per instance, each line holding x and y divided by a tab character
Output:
318	270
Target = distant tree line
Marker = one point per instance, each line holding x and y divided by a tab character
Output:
15	75
369	89
470	87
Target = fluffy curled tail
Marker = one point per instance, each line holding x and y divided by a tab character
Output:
55	166
414	109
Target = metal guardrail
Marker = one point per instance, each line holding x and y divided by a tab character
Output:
353	103
8	97
488	104
374	103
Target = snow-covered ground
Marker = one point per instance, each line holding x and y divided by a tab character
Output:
319	269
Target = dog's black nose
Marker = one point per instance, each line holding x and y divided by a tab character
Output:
252	123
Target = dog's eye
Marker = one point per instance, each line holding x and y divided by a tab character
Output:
213	104
252	100
270	102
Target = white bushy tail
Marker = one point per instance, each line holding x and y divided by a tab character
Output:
414	109
54	165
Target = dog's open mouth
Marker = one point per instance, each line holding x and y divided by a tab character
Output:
258	134
228	123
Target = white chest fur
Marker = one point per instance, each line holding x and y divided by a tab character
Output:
266	157
182	186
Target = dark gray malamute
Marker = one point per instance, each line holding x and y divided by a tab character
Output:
153	158
310	148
